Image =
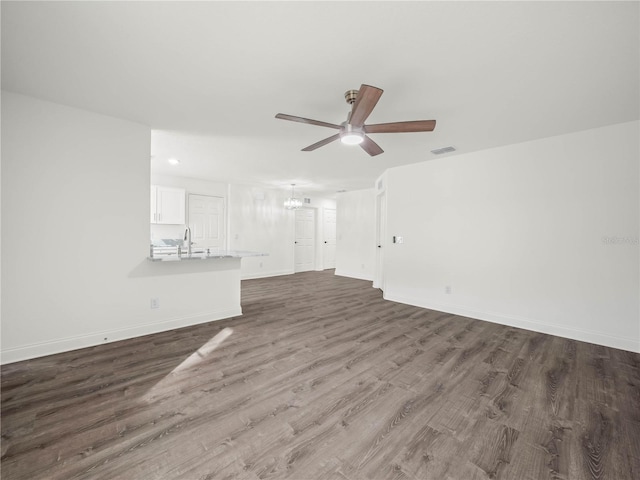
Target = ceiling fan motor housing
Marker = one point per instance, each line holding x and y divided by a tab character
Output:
350	96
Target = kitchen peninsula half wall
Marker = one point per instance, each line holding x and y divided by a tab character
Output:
200	254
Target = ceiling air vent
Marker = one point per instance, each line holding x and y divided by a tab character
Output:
440	151
307	200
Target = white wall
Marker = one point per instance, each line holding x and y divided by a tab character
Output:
75	237
356	239
522	235
259	222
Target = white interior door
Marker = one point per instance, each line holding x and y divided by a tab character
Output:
304	252
381	228
329	253
206	220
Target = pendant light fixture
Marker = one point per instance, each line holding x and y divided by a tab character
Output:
292	203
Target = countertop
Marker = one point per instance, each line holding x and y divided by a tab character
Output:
211	254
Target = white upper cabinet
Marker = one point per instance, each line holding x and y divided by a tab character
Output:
154	204
167	205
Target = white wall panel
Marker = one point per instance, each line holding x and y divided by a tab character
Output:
75	236
541	235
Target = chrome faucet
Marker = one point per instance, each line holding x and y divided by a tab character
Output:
187	239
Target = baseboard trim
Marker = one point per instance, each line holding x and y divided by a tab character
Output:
356	275
589	336
52	347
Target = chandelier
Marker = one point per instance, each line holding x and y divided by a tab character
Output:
292	203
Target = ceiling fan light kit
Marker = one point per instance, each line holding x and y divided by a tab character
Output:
351	136
353	131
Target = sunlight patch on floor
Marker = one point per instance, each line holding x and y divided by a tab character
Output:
166	386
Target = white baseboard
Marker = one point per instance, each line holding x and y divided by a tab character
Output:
599	338
357	275
277	273
60	345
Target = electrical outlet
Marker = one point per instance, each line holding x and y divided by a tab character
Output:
155	303
447	289
260	264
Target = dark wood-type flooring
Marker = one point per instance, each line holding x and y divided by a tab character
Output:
323	379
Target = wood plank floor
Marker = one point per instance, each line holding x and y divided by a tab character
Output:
322	379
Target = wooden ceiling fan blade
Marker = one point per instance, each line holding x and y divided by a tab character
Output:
401	127
293	118
371	147
366	100
321	143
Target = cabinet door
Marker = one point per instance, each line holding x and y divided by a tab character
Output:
154	204
170	205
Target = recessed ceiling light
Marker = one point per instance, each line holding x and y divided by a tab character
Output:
174	161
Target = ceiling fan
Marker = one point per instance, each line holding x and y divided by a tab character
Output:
353	131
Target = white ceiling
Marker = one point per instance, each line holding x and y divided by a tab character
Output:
209	77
